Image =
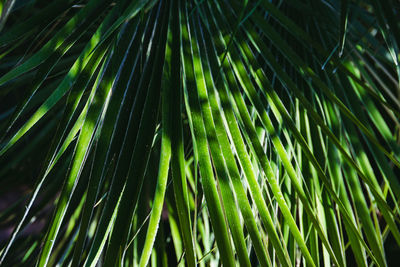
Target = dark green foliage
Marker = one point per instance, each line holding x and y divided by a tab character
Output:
199	133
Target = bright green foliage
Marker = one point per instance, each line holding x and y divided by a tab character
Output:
172	132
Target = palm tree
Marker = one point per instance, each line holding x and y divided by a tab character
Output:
199	132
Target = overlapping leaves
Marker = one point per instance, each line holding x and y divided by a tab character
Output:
235	132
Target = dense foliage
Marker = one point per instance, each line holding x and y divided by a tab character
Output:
199	132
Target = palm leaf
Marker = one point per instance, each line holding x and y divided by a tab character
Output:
224	132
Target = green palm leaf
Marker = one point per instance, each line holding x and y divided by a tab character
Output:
251	133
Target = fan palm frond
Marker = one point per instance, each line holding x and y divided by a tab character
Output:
199	132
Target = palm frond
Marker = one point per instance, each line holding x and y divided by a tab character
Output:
199	133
